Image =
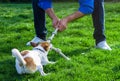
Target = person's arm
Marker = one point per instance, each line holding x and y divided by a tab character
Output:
53	17
86	7
74	16
46	5
51	13
63	22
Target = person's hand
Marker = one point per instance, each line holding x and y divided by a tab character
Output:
62	24
55	22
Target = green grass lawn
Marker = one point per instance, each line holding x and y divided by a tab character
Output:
87	63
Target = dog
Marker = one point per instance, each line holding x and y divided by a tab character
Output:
30	61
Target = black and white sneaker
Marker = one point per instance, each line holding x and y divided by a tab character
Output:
103	45
35	40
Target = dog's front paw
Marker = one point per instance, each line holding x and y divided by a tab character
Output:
50	62
45	74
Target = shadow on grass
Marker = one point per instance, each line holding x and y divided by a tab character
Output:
78	51
8	72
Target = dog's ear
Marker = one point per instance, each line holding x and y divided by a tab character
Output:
34	44
45	45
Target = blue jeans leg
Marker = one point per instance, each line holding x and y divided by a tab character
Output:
39	20
98	21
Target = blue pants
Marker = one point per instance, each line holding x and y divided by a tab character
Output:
39	20
98	20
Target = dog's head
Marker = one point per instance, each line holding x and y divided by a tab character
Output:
45	45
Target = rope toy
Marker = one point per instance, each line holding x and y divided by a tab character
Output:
53	34
57	49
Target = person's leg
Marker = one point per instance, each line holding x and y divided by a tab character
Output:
39	23
39	20
98	21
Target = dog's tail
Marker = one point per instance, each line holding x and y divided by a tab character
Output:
17	54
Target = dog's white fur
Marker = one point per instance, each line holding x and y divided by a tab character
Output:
30	61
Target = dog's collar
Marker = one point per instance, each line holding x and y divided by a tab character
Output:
40	49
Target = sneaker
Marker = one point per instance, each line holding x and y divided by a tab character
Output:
35	40
103	45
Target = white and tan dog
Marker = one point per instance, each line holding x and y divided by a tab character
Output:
30	61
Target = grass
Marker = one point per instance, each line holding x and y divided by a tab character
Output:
87	63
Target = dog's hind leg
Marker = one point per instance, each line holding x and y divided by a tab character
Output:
17	54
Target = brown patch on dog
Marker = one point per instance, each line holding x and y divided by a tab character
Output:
25	52
30	63
45	45
34	44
